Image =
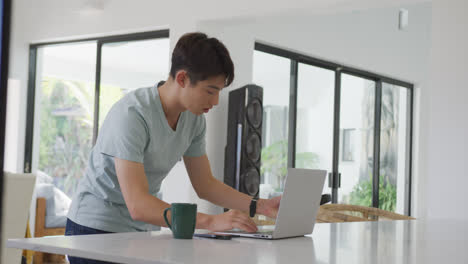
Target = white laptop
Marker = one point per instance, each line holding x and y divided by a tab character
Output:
298	208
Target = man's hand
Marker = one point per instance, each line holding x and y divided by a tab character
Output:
231	219
269	207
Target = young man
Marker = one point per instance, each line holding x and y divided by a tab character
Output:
145	134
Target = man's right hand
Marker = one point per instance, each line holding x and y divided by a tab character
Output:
231	219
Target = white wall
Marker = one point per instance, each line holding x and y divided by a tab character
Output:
12	125
447	143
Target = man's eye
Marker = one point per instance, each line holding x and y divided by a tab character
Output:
210	92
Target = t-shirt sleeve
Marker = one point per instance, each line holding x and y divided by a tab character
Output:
124	135
198	145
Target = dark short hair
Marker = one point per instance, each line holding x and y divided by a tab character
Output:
202	58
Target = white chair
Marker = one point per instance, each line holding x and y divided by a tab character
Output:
17	194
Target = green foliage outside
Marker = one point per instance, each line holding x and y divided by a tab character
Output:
275	161
109	95
362	194
66	128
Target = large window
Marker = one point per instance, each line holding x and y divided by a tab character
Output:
128	65
73	85
394	147
64	111
356	139
350	122
273	72
314	124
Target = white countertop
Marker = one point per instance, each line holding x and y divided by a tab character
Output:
411	241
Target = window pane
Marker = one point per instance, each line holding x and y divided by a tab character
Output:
393	148
273	74
64	112
130	65
356	140
314	126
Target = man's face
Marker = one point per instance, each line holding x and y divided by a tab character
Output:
202	96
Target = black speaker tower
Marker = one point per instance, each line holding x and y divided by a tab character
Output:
244	139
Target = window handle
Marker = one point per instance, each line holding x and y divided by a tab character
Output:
331	180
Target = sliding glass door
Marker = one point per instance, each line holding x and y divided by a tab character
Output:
72	86
272	72
395	147
356	151
314	124
64	111
353	123
129	65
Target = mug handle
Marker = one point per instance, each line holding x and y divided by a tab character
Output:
165	217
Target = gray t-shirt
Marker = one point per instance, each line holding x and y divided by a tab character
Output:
135	129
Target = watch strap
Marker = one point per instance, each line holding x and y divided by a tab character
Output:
253	207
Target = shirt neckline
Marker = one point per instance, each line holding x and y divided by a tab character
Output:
163	115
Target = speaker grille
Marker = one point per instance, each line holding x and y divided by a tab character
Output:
251	182
255	113
253	147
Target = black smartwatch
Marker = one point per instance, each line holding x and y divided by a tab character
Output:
253	207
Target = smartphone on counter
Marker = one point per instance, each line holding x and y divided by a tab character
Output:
213	235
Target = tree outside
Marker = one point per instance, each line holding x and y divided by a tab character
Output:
362	191
275	161
66	128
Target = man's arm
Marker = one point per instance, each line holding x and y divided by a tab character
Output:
141	204
215	191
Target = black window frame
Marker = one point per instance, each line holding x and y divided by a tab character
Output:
100	41
339	69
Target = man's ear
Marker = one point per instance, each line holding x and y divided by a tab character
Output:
182	78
